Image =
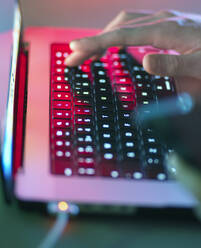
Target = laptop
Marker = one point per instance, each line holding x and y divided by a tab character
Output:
71	134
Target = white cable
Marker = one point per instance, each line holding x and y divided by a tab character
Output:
56	231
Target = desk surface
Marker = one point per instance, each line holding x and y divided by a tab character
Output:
20	228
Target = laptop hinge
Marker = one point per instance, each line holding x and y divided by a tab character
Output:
20	110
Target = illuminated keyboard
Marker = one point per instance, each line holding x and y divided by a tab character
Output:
93	131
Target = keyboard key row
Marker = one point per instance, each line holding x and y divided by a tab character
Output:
93	127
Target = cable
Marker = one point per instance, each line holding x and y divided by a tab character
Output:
62	210
56	231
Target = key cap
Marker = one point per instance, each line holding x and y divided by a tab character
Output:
80	129
84	84
118	64
126	97
106	125
61	96
61	104
61	87
83	111
128	134
62	167
62	143
108	166
80	101
60	79
60	123
128	106
82	93
156	172
123	80
120	73
86	162
151	149
107	135
61	71
85	68
132	168
63	154
85	150
62	133
85	139
105	116
62	114
124	89
104	99
83	120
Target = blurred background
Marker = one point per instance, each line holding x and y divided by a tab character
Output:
93	13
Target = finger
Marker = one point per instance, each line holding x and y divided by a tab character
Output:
161	15
157	34
140	35
90	46
124	17
173	65
97	56
186	174
76	58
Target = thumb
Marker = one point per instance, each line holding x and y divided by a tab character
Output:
173	65
186	173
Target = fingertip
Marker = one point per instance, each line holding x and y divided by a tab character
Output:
67	62
71	60
150	64
76	58
74	45
81	44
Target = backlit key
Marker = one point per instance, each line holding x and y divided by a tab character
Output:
120	73
123	80
124	89
60	79
61	96
86	162
61	104
62	123
118	64
61	70
126	97
83	120
62	133
63	114
61	87
128	105
85	150
84	68
81	102
83	111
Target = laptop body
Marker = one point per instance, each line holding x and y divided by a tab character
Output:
32	179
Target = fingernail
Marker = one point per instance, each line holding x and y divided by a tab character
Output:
73	45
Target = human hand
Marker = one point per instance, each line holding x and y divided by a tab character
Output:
189	176
163	30
181	131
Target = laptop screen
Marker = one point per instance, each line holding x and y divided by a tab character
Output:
10	25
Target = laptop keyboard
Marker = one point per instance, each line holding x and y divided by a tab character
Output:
93	126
